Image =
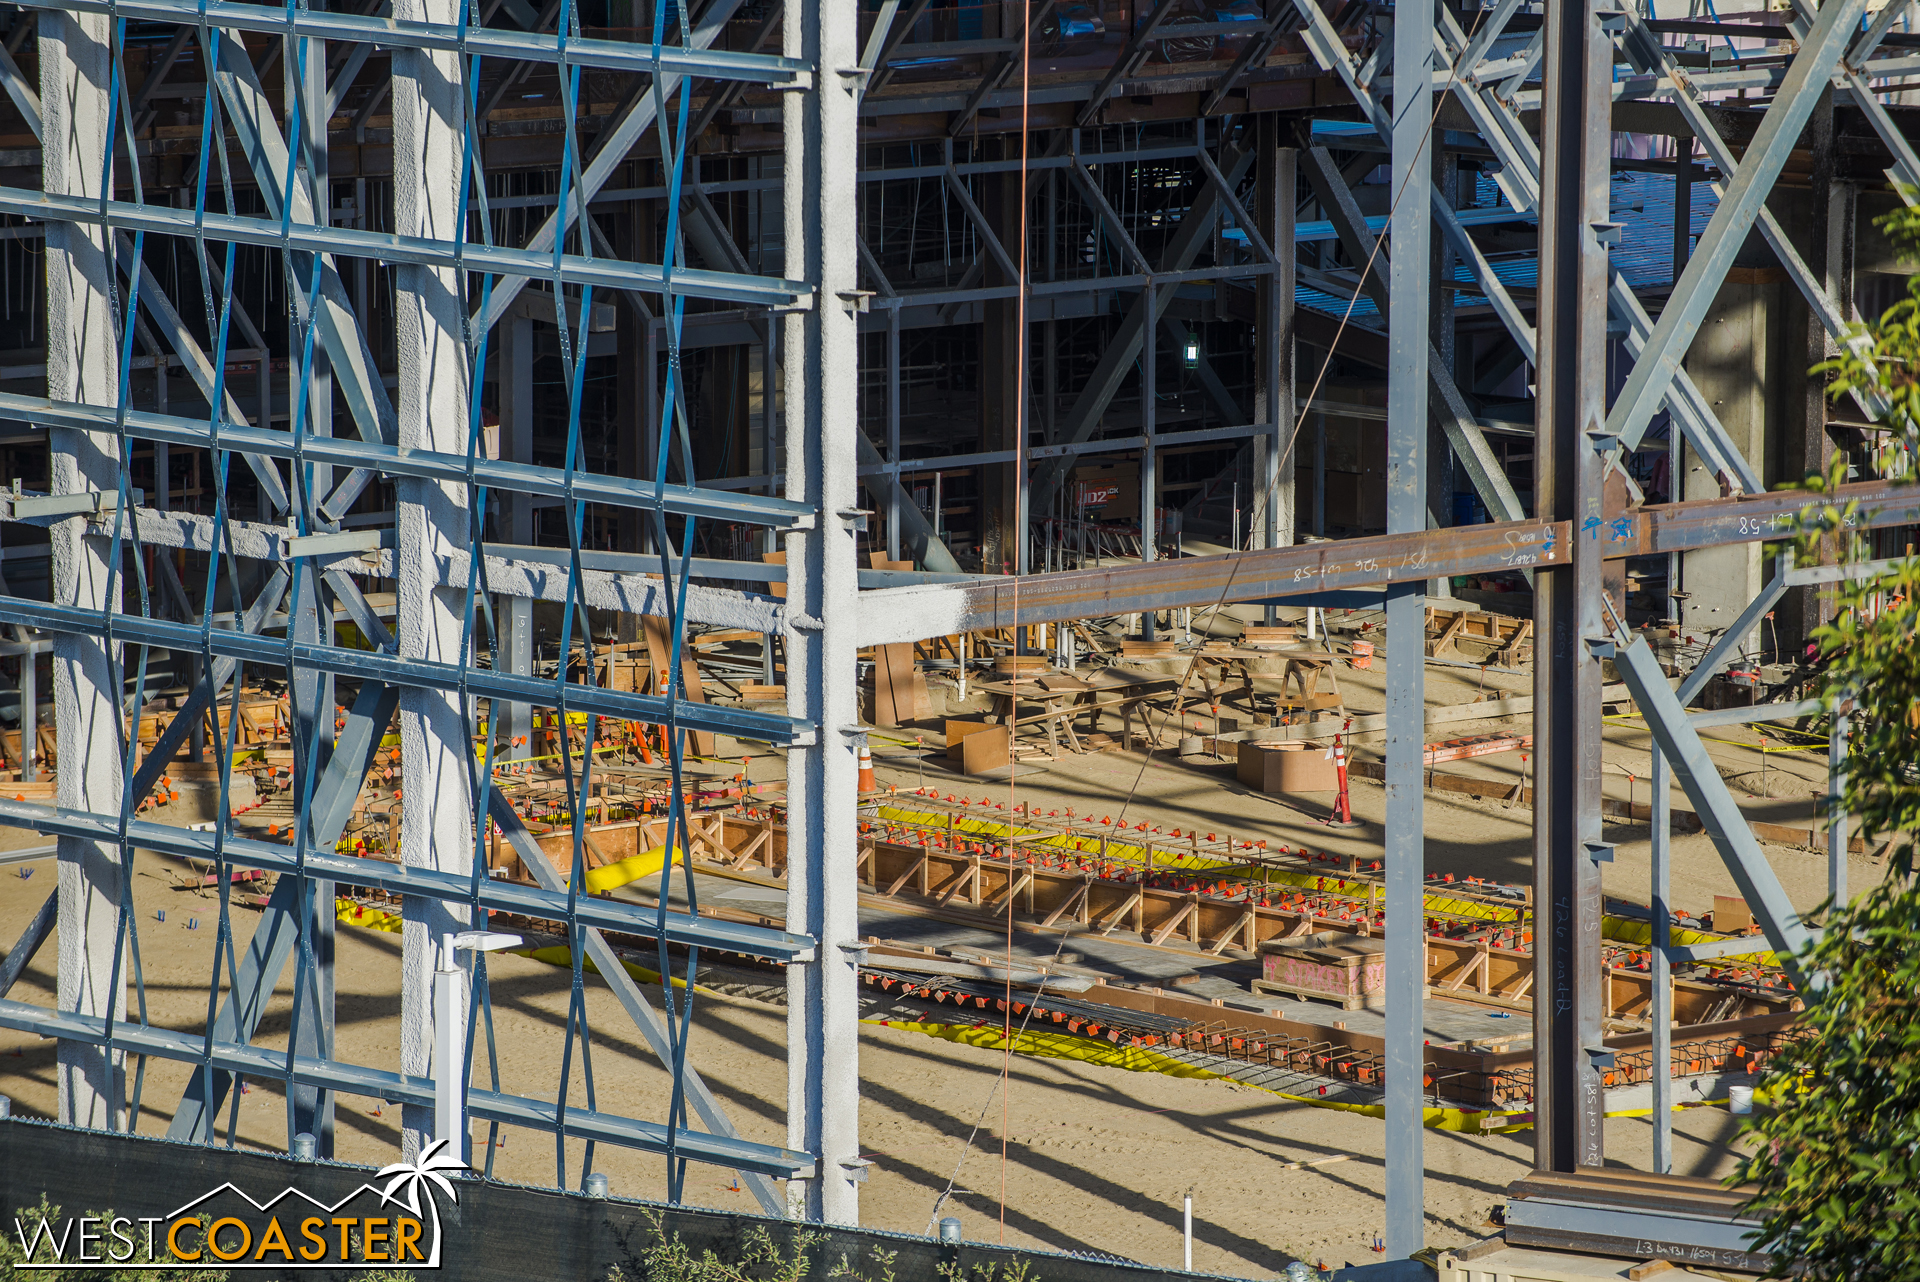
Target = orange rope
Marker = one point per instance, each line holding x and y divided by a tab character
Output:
1013	714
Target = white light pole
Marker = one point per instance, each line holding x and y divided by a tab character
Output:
1186	1254
449	1048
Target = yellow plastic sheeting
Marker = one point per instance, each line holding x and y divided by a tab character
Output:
1178	861
632	868
1054	1046
561	955
1137	1060
1625	930
357	914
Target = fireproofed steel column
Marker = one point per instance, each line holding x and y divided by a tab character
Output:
432	402
1409	274
81	362
821	349
1568	472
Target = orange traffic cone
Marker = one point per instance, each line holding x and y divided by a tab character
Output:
866	769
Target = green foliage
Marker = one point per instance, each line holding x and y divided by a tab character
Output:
1017	1271
1835	1154
667	1258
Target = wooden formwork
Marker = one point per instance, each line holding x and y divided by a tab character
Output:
981	885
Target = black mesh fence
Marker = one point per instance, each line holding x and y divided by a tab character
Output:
495	1231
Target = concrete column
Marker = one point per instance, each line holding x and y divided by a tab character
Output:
75	62
515	333
1737	362
821	369
436	828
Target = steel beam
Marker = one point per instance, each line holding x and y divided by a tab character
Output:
1447	407
423	464
354	602
408	1090
1645	47
403	670
403	248
402	33
1662	965
1838	733
338	787
37	932
939	609
378	874
340	336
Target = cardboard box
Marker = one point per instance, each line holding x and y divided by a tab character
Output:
978	747
1282	769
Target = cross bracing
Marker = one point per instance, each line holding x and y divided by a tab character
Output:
779	301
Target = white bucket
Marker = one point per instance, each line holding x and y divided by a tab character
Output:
1740	1099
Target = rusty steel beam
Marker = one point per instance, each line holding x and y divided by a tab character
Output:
940	609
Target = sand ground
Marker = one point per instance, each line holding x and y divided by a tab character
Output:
1095	1158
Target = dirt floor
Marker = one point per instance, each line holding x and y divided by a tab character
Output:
1095	1158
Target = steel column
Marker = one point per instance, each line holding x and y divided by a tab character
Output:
1576	146
1662	939
821	344
516	445
436	832
75	72
1409	276
1837	841
1273	453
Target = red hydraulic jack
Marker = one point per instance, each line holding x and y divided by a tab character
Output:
1342	816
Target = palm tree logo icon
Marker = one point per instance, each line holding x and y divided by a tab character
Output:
426	1172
